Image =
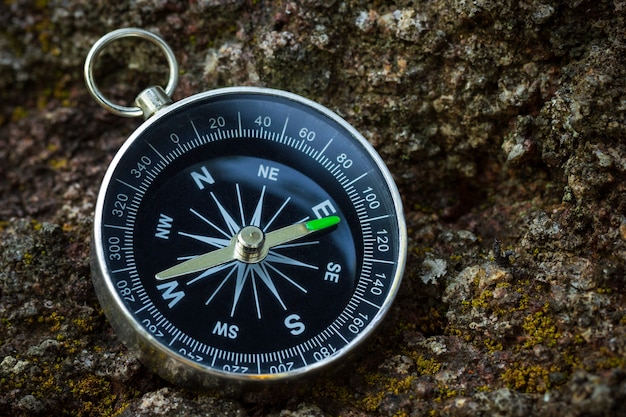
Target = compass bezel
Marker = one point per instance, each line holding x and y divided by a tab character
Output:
172	365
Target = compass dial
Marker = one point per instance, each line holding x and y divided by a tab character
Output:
246	234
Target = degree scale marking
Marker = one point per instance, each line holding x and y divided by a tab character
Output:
299	145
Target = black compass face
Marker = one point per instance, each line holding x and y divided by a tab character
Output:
287	295
247	234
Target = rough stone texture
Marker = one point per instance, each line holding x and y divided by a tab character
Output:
504	123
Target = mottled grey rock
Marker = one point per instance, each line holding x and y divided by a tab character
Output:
502	122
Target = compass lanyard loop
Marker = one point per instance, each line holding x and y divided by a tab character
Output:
150	99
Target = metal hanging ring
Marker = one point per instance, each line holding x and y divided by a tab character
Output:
102	43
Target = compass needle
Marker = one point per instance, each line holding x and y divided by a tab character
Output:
299	230
242	235
199	263
229	253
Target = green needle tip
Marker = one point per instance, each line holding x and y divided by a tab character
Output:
323	223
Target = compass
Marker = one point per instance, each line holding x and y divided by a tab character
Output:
243	234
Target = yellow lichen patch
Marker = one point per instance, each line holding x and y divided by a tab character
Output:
386	386
524	302
333	391
444	392
94	395
19	113
610	360
426	366
611	363
36	225
48	383
540	329
84	325
27	259
72	346
483	301
528	378
85	395
493	346
54	320
58	164
483	388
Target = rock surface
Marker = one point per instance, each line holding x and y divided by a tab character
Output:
504	123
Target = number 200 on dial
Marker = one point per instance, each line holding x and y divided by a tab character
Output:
246	234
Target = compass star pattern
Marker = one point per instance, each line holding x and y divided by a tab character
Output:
267	272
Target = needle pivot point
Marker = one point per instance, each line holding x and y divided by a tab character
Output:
249	246
250	239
